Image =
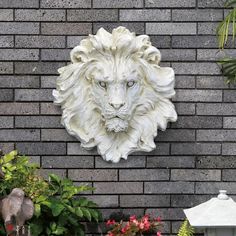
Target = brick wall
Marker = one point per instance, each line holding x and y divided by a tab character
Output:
194	158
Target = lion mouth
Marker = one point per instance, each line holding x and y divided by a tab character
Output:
116	124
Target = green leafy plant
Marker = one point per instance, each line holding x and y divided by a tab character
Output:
186	229
58	209
224	29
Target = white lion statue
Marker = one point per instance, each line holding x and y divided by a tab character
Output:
115	95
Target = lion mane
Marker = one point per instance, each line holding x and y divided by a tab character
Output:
81	116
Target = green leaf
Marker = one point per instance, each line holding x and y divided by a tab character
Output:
79	212
10	156
54	178
37	210
86	213
57	209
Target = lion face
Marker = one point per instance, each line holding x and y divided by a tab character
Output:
114	95
116	90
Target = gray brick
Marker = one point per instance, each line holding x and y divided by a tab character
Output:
66	28
19	3
195	148
6	41
216	162
170	3
19	135
117	3
76	149
217	82
118	187
216	109
6	95
184	81
194	41
67	162
207	28
105	200
145	15
195	175
138	28
171	28
176	135
66	3
40	41
167	213
6	15
229	175
214	54
73	41
143	175
19	81
214	187
37	67
19	28
229	96
216	135
185	201
55	54
229	122
19	108
38	122
229	148
48	81
56	135
6	67
19	54
196	68
33	95
161	41
131	162
161	149
92	15
185	108
6	147
211	3
171	162
169	187
6	122
144	200
178	55
50	109
41	148
93	175
197	15
40	15
194	122
185	95
45	173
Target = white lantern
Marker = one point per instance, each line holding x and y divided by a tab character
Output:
217	216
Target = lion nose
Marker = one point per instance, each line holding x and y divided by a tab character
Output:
117	105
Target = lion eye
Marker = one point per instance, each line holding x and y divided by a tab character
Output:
130	84
102	84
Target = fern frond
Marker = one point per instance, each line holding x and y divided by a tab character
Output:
230	3
229	69
186	229
223	29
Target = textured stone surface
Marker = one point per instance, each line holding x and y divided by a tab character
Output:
40	41
171	28
117	3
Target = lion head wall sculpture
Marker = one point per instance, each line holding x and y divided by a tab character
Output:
115	95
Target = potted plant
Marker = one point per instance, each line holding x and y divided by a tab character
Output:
135	226
57	208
